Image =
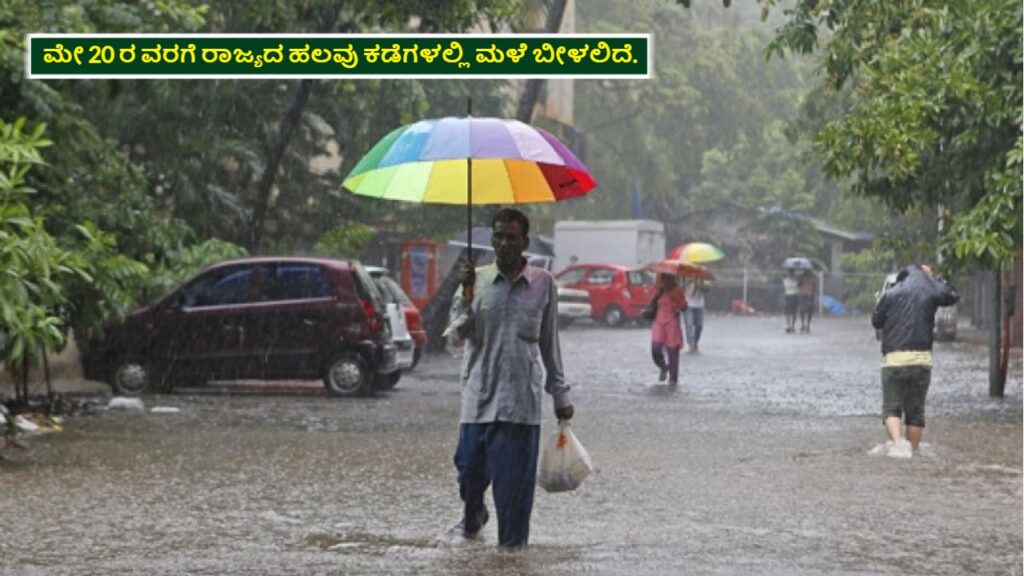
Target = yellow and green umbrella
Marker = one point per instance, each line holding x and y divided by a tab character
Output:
696	253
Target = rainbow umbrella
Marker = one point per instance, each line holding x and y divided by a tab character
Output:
696	252
470	161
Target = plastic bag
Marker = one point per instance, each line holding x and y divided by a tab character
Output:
564	463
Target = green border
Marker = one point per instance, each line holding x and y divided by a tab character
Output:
98	56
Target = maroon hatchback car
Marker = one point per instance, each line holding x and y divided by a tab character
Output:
261	318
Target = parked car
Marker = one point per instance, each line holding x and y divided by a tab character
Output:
261	318
410	317
617	293
573	304
945	316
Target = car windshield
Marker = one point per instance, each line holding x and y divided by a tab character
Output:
392	291
365	284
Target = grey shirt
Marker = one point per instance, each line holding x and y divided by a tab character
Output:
514	331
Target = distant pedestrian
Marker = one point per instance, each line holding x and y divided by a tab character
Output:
693	317
808	287
791	290
906	316
666	331
510	328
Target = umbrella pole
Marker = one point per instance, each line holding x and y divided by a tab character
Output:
468	289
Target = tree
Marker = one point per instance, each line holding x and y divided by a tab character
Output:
261	167
52	284
937	111
706	134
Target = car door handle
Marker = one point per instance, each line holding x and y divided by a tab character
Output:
309	321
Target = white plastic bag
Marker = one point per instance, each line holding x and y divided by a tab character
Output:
564	463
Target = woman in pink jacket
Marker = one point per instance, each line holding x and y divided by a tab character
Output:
666	331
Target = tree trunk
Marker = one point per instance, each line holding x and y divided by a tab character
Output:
326	23
435	314
531	92
996	376
287	129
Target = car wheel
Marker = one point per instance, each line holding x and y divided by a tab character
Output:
346	375
131	376
387	381
613	315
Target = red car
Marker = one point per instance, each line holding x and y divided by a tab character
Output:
617	293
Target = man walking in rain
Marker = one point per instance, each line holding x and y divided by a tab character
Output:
906	316
510	328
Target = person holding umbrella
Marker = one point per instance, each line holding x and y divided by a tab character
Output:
506	311
666	332
510	326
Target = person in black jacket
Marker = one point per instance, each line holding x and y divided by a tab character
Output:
906	316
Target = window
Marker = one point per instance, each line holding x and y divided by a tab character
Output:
366	288
571	277
601	276
391	291
293	282
219	288
640	277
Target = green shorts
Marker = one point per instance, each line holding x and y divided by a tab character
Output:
904	389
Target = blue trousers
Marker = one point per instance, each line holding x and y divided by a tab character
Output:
505	455
693	319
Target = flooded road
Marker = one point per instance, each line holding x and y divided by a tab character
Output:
759	463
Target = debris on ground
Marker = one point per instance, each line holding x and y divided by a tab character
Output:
20	419
126	403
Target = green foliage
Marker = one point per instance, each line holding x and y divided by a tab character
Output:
107	283
88	177
346	241
136	160
186	261
705	136
865	272
201	147
935	111
33	263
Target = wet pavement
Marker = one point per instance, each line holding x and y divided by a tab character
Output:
759	463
